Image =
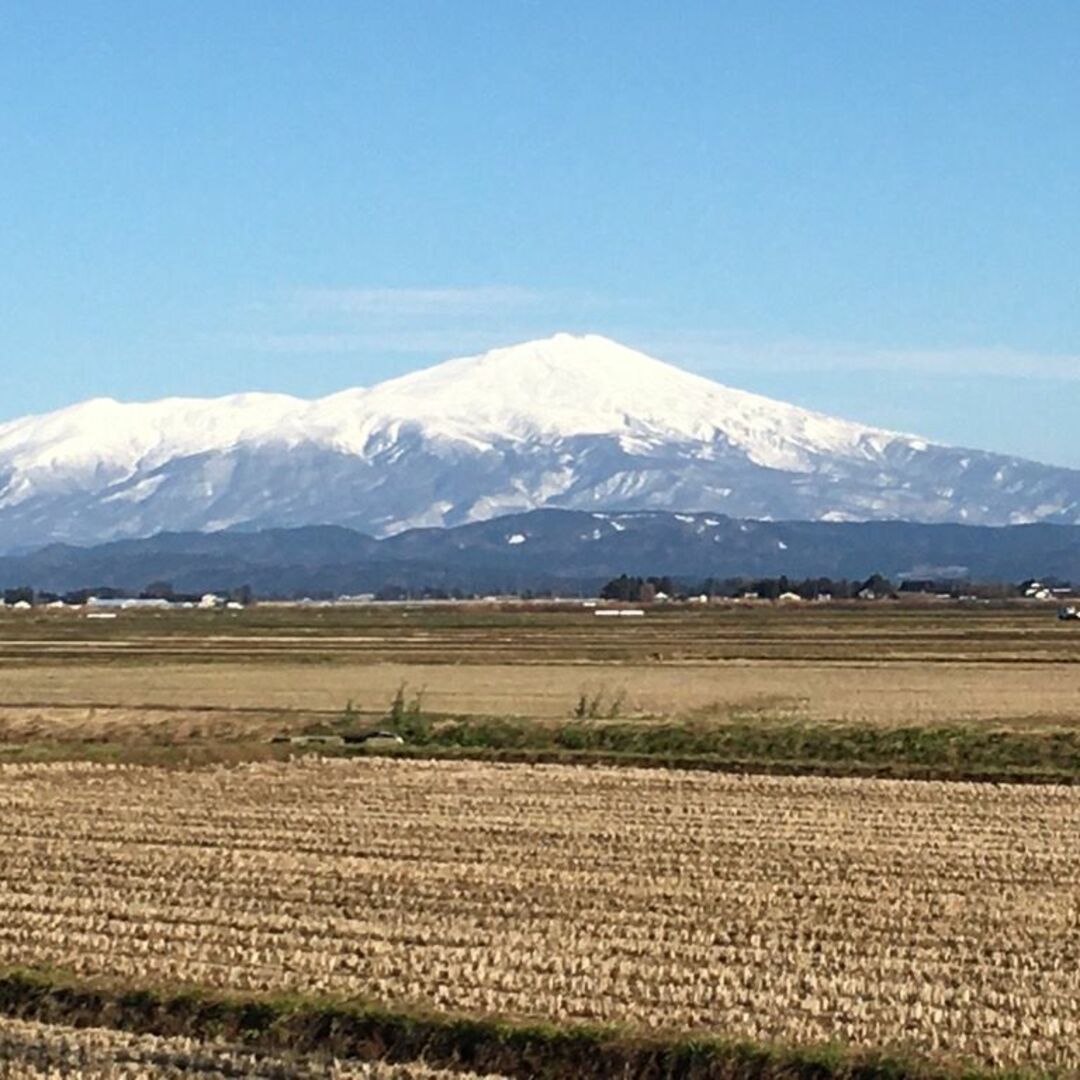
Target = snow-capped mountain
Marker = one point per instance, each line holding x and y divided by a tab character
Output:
571	422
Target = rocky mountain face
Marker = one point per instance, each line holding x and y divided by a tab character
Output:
577	423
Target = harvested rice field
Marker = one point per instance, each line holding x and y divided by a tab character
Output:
937	918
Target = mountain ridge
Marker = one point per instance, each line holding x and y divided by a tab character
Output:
563	550
564	422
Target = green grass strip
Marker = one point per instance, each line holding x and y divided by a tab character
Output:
761	745
330	1028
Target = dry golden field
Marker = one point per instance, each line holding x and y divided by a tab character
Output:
33	1051
939	917
251	674
229	701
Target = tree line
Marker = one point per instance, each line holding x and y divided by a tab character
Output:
645	589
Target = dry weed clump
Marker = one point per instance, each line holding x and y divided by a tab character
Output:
31	1051
943	918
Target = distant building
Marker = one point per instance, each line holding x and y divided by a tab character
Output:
125	603
1036	590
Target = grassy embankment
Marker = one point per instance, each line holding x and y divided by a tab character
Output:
754	743
338	1028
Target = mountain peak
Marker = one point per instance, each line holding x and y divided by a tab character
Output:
568	385
562	348
587	356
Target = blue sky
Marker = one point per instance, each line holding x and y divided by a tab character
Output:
871	208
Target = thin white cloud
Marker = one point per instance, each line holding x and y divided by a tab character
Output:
716	352
415	302
451	321
440	343
706	353
431	323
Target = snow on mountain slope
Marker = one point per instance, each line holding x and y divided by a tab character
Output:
576	422
105	437
566	386
559	387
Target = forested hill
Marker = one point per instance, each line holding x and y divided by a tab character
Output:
569	551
